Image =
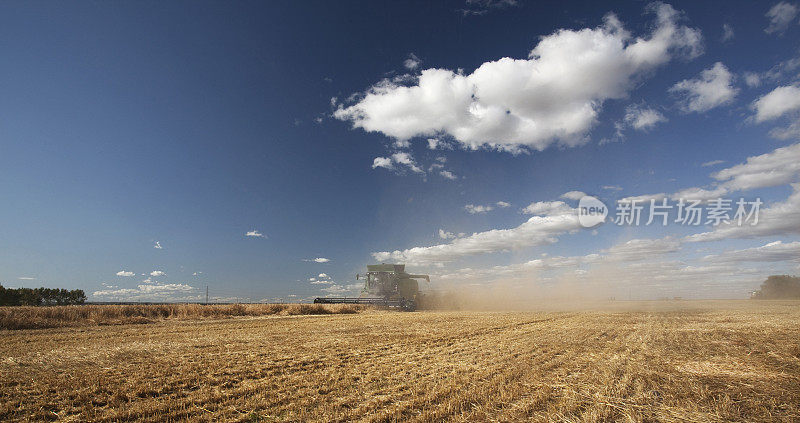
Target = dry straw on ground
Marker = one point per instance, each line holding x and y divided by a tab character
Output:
669	361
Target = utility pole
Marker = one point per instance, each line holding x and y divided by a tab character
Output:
206	294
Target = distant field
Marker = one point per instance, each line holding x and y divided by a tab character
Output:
94	315
659	361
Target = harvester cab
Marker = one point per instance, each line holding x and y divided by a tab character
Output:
387	285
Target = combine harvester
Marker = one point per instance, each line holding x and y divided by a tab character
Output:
385	285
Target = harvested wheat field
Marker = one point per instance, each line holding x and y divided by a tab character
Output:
27	317
659	361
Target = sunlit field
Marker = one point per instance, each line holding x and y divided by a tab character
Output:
102	315
654	361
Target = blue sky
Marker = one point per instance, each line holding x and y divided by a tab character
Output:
185	125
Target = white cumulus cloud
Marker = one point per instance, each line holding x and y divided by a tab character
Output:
445	235
777	167
552	96
384	162
438	144
778	102
784	100
713	88
405	159
573	195
126	273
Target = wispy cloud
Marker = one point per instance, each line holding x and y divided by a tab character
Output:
448	175
478	209
321	279
538	230
775	168
150	292
770	252
544	208
640	118
399	162
343	289
482	7
412	62
727	32
319	260
780	16
255	234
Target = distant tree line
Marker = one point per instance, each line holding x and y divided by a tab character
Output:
779	287
40	296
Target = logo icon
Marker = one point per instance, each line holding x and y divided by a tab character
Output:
591	211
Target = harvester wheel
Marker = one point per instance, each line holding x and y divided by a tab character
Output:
408	305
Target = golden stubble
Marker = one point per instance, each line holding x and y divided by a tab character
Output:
646	361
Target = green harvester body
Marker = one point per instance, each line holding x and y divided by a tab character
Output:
385	284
